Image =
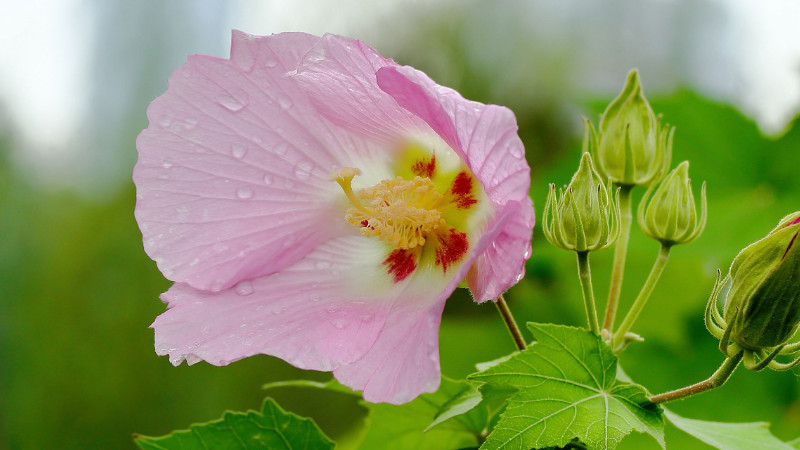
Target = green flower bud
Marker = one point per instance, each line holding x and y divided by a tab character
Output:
632	147
763	303
585	215
670	215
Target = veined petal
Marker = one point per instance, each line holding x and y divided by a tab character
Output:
486	137
233	171
339	75
502	263
322	312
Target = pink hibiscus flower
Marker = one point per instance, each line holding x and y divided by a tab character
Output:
317	202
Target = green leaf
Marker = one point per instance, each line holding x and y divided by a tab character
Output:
401	426
730	436
566	389
795	443
271	428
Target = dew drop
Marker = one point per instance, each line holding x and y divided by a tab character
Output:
165	120
189	123
340	323
167	163
231	103
270	62
268	179
244	288
244	193
284	101
234	101
520	276
281	148
238	151
527	253
303	170
517	151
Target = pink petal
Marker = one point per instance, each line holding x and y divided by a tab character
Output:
233	171
315	314
404	362
339	75
486	137
502	264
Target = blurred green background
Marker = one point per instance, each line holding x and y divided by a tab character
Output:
77	292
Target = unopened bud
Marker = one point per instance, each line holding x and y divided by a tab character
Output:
584	216
632	147
763	304
668	213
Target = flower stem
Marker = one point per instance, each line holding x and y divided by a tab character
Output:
716	380
641	299
620	251
585	275
511	324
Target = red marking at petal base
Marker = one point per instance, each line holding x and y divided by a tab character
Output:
452	247
424	168
402	263
794	222
462	189
365	223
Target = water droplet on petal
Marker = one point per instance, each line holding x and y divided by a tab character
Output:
268	179
234	101
244	288
519	276
281	148
167	163
165	120
340	323
238	151
284	101
303	170
189	123
270	62
517	151
527	253
244	193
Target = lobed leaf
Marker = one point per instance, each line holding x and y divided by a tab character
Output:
270	428
445	419
730	436
566	390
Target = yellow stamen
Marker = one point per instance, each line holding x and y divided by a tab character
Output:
400	212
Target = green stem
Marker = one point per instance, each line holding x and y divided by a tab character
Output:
585	275
511	324
641	299
718	379
620	251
